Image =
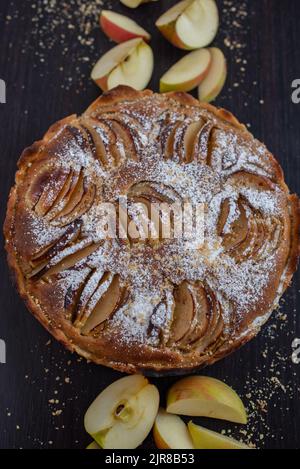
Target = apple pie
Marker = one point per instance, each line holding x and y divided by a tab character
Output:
140	304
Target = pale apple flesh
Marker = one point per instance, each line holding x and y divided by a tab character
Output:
170	432
166	23
197	26
129	63
122	415
136	71
207	439
131	3
190	24
215	79
187	73
120	28
135	3
110	60
202	396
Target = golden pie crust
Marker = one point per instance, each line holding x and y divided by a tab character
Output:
151	305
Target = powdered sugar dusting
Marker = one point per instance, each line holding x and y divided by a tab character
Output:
151	270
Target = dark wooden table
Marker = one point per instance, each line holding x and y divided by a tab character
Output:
45	60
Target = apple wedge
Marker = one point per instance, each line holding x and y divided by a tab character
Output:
190	24
207	439
166	23
170	432
120	28
135	3
93	445
202	396
130	63
187	73
215	79
123	414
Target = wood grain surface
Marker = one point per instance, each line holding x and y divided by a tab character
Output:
45	60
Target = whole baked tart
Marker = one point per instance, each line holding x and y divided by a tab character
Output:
151	304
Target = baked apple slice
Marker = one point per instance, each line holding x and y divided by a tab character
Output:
184	312
170	432
207	439
120	28
123	414
187	73
106	300
201	320
67	260
239	228
209	336
129	63
202	396
192	141
213	83
190	24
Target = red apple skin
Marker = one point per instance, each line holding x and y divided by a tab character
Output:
116	33
102	83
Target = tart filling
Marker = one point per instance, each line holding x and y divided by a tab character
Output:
133	301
